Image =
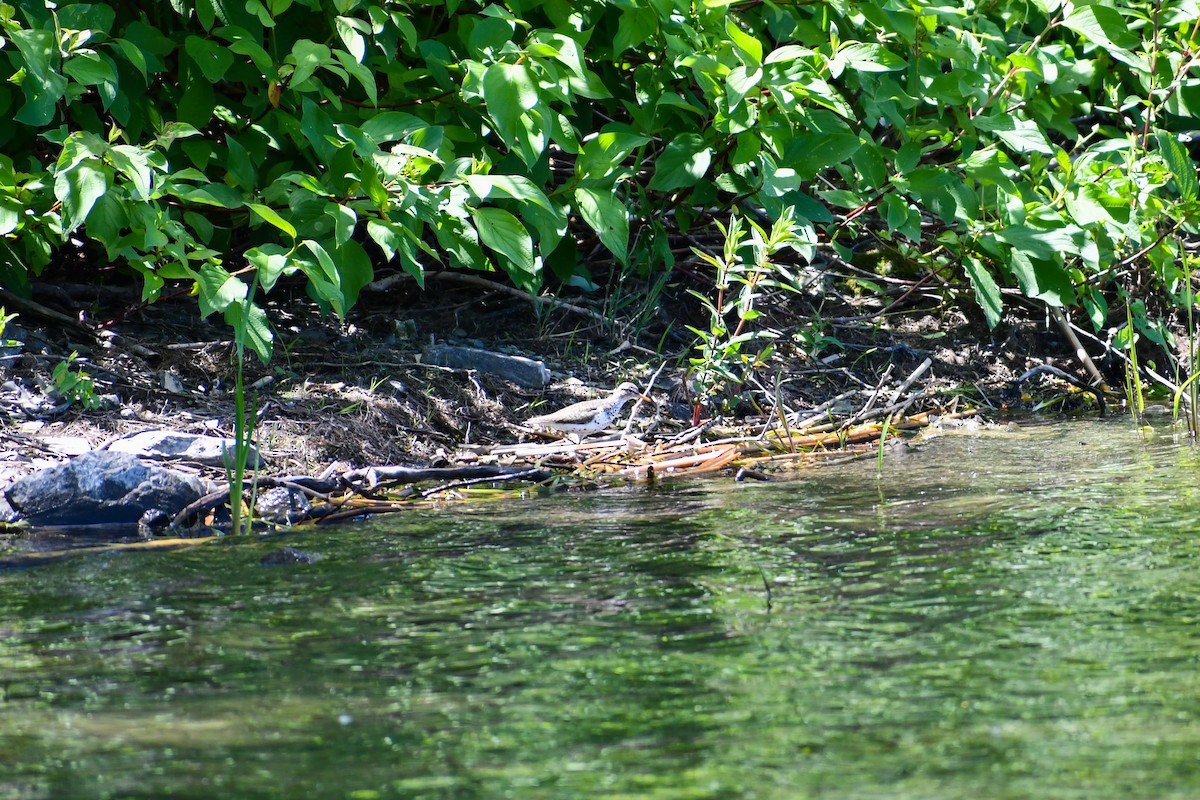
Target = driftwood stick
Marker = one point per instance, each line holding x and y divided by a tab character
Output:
1064	325
916	373
322	489
534	474
399	474
893	405
818	415
1150	373
887	373
893	408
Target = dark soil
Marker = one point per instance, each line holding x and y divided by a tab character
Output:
356	392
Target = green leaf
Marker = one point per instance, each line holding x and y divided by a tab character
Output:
865	58
510	94
212	59
78	189
608	217
133	55
739	83
517	187
505	234
251	328
392	126
1104	26
750	48
896	214
602	156
787	54
637	25
537	209
871	164
10	215
209	194
239	166
355	271
317	128
361	73
309	57
271	261
344	220
812	153
987	293
133	163
1022	135
1047	244
270	215
218	289
684	162
324	278
352	38
175	130
43	86
1041	279
90	70
1096	305
387	235
990	165
1180	164
244	44
460	241
395	239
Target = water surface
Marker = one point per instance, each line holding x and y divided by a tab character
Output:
994	616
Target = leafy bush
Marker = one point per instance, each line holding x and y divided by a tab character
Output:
1028	144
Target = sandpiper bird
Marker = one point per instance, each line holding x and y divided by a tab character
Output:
590	416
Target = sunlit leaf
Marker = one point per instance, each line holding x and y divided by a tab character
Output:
683	162
251	328
271	261
607	216
1105	27
510	93
270	215
504	233
78	189
309	57
43	86
1181	165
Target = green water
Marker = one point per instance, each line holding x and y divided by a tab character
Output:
1000	616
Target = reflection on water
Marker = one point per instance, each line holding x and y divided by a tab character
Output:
1001	616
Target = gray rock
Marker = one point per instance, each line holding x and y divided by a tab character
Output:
8	514
282	505
102	488
66	445
207	450
520	370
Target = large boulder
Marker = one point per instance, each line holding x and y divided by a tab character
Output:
102	488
